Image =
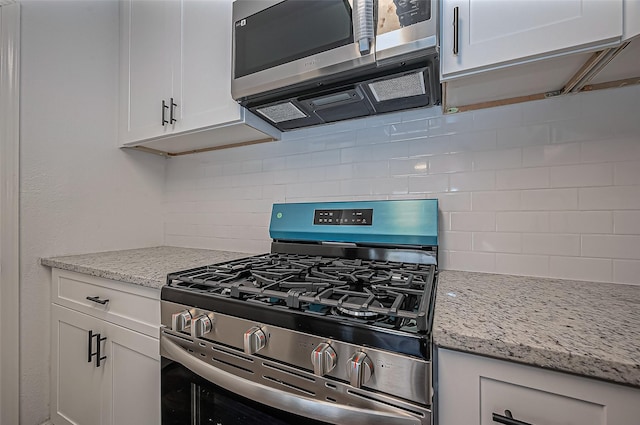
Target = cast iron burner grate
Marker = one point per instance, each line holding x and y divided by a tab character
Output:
387	293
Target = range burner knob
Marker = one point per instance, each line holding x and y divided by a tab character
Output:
323	358
201	325
254	340
360	369
181	321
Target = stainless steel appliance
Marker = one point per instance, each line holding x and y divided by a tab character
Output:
332	327
298	63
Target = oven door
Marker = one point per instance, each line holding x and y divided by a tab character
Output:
280	43
189	399
195	392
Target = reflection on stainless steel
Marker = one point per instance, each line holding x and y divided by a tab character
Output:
365	409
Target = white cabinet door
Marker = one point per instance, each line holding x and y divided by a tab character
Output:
149	38
471	388
76	384
496	33
206	65
123	390
133	368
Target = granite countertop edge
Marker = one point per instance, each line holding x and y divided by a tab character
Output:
589	329
105	274
575	364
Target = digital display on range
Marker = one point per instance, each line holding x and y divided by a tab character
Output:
360	217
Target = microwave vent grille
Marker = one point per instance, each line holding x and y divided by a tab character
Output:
281	112
399	87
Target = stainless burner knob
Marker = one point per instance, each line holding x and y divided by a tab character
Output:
323	358
201	325
360	369
181	321
254	340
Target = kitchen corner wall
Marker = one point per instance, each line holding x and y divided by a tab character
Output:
546	188
78	192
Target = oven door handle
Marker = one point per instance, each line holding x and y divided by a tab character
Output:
303	406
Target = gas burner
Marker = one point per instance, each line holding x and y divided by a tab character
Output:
361	312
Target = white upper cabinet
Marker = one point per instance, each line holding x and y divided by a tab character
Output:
147	69
175	81
478	35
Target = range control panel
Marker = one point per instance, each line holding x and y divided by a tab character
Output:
351	217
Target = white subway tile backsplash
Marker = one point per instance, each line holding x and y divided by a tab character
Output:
473	221
610	150
527	265
583	175
497	242
409	129
450	163
610	198
550	199
408	167
626	271
427	146
455	241
473	141
545	188
555	109
522	178
496	201
627	173
523	136
581	222
551	244
497	159
390	186
472	181
581	129
429	183
453	201
626	222
524	222
537	156
472	261
611	246
500	117
577	268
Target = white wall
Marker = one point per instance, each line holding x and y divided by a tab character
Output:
78	192
547	188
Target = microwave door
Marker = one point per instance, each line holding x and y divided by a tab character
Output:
297	41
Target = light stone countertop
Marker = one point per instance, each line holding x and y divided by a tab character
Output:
145	266
585	328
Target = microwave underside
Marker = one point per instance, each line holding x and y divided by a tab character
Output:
379	91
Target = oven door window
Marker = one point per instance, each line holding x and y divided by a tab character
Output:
188	399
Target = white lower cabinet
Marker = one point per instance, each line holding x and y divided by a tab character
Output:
102	373
473	389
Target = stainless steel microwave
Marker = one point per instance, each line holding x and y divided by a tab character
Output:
304	62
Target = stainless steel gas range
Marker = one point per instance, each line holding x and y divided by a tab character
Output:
332	327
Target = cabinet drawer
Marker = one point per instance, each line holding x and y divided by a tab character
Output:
131	306
470	388
535	406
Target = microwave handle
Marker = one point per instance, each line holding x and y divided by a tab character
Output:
303	406
363	26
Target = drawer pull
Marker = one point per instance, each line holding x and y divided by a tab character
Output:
98	300
507	419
